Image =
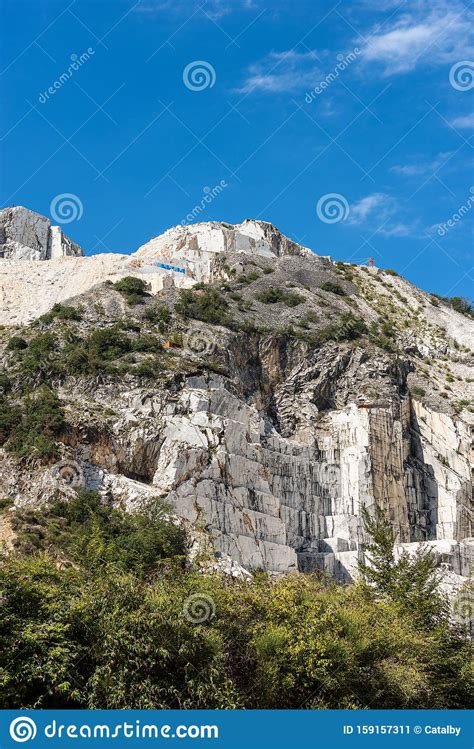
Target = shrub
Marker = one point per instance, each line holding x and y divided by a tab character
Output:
133	289
16	344
32	428
347	328
334	288
157	314
276	295
391	272
418	392
207	305
61	312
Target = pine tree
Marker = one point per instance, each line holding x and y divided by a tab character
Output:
411	580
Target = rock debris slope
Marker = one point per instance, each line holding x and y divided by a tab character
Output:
266	392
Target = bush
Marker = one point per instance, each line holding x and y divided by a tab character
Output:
16	344
207	305
30	429
61	312
133	289
391	272
91	533
418	392
334	288
347	328
276	295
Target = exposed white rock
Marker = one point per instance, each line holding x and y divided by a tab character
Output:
26	235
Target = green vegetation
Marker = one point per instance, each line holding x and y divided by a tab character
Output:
334	288
276	295
30	428
61	312
347	328
97	612
417	391
134	290
462	305
16	344
207	305
391	272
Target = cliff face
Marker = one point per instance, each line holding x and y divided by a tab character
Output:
26	235
271	406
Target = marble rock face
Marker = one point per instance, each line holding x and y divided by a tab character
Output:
26	235
271	445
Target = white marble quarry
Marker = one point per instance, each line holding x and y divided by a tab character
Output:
26	235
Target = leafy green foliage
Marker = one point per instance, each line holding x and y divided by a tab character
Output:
417	391
274	295
62	312
16	344
411	580
31	428
92	533
347	328
391	272
333	287
205	304
134	290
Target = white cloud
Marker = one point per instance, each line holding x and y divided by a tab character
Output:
434	33
463	121
282	72
364	209
377	213
421	167
215	9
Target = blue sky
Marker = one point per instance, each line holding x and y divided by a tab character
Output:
234	109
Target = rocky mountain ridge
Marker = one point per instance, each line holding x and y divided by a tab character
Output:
265	392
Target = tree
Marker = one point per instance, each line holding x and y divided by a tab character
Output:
411	580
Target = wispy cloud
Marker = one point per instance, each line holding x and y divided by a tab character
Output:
422	166
438	32
280	72
364	209
215	9
377	213
463	121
